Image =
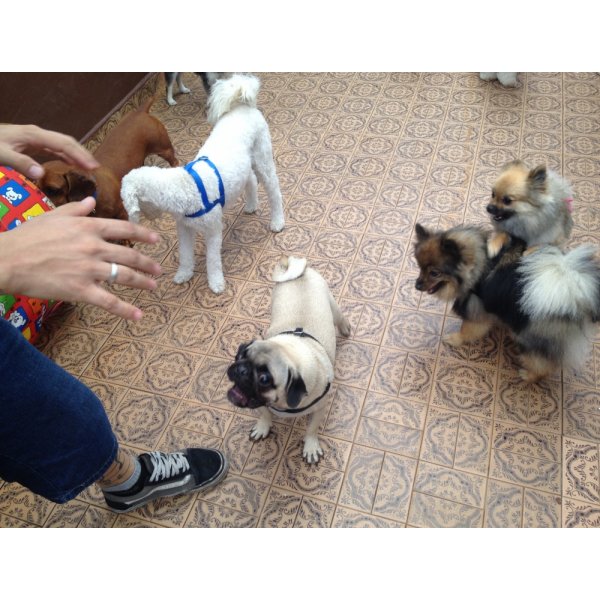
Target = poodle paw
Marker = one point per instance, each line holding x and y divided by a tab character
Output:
312	450
171	102
182	276
183	89
217	285
277	224
508	79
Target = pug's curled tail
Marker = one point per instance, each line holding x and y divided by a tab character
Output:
288	268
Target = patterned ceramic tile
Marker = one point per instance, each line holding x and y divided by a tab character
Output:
314	513
504	505
73	349
206	514
579	514
19	503
360	484
428	511
142	417
541	510
361	158
346	518
394	487
580	474
450	484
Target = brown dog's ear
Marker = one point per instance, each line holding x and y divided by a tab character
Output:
81	185
422	233
537	178
296	390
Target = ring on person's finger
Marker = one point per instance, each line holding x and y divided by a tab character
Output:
114	271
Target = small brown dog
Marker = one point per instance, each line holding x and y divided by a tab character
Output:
125	147
533	205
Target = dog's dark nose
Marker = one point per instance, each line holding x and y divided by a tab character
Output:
419	284
493	210
239	371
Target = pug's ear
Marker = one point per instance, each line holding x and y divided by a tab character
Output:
242	350
295	390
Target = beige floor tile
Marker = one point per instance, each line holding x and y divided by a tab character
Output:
416	431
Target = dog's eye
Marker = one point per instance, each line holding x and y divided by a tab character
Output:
434	273
51	191
506	200
493	194
265	379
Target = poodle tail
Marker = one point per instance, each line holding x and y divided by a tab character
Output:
226	94
288	268
129	196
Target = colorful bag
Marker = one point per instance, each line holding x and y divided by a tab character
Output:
21	200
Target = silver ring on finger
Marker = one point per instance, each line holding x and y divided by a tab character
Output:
114	271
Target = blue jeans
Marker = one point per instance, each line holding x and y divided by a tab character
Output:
55	437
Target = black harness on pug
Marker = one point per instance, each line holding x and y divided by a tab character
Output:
299	332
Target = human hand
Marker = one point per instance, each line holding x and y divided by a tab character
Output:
15	140
64	255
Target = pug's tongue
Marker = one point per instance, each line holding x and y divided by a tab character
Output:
237	396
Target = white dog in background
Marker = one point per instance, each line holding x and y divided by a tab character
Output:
506	79
236	152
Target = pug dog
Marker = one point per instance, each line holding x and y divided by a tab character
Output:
290	372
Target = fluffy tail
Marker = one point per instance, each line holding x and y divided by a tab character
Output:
129	195
288	268
558	285
226	94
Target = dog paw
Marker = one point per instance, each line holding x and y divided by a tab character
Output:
453	339
260	431
182	277
250	209
277	225
312	451
344	327
529	376
171	102
183	89
217	286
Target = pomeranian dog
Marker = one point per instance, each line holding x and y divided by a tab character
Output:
547	299
533	205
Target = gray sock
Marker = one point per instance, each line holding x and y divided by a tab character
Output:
121	487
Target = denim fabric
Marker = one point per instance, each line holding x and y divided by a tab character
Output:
55	437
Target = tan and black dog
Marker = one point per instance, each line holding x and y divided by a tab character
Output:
290	372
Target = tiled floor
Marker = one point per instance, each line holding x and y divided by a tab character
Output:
417	434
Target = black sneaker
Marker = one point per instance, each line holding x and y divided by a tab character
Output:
170	474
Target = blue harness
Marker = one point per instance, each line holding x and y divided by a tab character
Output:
207	204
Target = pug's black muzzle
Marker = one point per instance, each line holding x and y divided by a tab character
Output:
499	214
243	393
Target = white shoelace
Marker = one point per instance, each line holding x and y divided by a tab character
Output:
167	465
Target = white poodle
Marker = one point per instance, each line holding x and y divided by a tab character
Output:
237	150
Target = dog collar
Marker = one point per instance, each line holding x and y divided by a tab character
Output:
299	410
208	205
299	332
